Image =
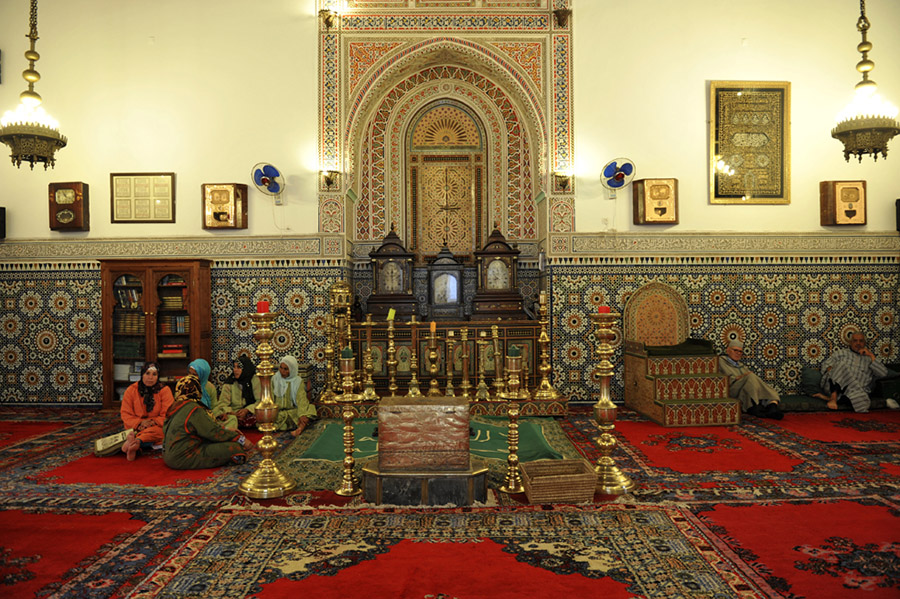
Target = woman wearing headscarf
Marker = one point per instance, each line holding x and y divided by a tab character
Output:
144	407
193	439
289	391
200	368
240	392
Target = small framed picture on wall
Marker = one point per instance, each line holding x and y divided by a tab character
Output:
142	197
224	205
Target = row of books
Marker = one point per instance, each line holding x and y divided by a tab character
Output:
130	323
174	325
173	350
172	302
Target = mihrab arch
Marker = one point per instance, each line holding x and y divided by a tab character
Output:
490	91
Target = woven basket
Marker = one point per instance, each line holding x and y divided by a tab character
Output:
558	481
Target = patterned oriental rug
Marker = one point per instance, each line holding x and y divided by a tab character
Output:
806	507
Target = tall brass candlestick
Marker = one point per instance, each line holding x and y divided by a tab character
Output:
524	393
349	481
482	393
464	385
392	360
545	390
267	480
513	481
369	391
449	364
610	480
433	389
499	382
414	360
328	391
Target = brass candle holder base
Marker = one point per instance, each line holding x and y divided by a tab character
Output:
267	481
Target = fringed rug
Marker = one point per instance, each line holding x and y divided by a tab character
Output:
804	507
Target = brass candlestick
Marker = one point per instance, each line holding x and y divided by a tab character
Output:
451	392
328	392
349	482
482	393
434	389
464	384
499	383
267	480
392	360
413	360
545	390
524	393
610	480
513	481
369	391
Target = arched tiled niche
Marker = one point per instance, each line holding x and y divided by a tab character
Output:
385	103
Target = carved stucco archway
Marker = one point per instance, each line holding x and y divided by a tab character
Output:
450	69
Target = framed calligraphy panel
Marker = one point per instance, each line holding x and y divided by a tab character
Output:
142	197
749	142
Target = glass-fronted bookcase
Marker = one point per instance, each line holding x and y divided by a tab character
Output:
153	310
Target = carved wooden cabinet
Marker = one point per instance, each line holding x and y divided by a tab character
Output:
153	310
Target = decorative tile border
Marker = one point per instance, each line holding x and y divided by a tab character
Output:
531	23
312	247
574	246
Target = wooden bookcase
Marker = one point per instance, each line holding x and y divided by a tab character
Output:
153	310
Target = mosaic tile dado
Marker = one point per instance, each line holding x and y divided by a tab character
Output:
789	314
791	310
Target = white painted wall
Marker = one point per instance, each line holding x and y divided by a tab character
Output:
641	91
208	89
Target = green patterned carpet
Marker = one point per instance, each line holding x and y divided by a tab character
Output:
314	459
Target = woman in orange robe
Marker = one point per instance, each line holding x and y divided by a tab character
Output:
144	407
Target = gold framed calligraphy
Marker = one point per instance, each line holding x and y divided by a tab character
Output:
750	142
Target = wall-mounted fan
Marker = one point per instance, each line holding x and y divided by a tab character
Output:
616	175
268	180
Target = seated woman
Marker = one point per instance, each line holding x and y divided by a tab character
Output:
240	391
289	393
193	439
200	369
144	407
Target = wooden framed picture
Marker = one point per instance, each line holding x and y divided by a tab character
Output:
655	201
224	205
142	197
842	203
69	207
750	142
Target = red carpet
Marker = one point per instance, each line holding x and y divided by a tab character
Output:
827	550
47	549
804	508
15	432
692	450
147	470
846	427
472	569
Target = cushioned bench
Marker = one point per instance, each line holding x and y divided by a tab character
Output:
809	384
